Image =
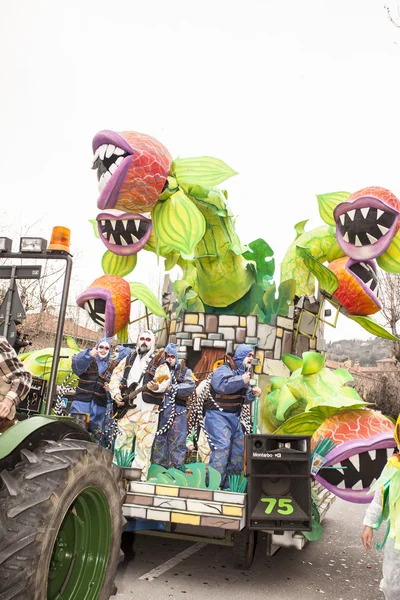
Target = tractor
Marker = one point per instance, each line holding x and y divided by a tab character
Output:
60	494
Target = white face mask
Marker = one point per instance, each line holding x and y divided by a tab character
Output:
247	361
144	343
104	350
171	360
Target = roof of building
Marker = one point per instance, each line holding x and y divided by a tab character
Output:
48	324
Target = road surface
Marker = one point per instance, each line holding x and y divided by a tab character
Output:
334	568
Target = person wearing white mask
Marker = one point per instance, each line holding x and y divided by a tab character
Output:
93	367
139	423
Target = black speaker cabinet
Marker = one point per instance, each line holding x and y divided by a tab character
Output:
279	482
34	399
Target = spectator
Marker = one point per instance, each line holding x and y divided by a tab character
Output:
15	381
20	339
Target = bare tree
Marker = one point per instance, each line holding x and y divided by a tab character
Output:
385	394
389	288
394	20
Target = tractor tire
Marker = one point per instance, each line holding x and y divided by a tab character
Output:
60	523
244	545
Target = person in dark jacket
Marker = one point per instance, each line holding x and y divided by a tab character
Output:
230	389
93	367
169	448
120	353
20	341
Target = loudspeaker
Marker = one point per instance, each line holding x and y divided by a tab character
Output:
34	399
278	469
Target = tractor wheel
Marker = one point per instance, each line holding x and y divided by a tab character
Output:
60	523
244	544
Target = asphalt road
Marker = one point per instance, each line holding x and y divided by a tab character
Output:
334	568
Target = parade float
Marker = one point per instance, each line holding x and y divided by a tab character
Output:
228	294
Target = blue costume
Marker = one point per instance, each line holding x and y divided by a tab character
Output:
222	422
169	448
91	396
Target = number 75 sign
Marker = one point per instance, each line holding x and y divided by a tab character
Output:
283	506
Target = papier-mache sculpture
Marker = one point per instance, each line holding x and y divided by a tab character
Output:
227	294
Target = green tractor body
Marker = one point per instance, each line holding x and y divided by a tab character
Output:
60	502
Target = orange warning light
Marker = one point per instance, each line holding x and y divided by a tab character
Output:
60	239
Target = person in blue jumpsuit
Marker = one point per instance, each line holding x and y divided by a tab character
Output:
229	390
169	448
93	367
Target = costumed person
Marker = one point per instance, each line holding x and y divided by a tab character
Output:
169	448
386	505
15	382
20	338
139	423
109	430
229	391
93	367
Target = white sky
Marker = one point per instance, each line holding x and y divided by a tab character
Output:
300	98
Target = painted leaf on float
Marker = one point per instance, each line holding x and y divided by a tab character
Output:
195	304
113	264
328	202
286	400
339	402
326	279
312	363
205	171
123	335
292	362
259	251
308	422
305	423
154	245
93	222
390	260
179	224
142	293
286	293
71	343
343	375
262	317
299	228
277	382
171	260
370	325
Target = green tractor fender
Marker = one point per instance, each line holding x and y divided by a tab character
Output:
31	432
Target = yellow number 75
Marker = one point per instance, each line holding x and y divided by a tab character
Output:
284	505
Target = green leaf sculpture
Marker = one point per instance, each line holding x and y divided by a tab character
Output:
71	343
203	171
142	293
390	260
326	279
273	305
179	224
113	264
370	325
328	202
93	222
259	251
